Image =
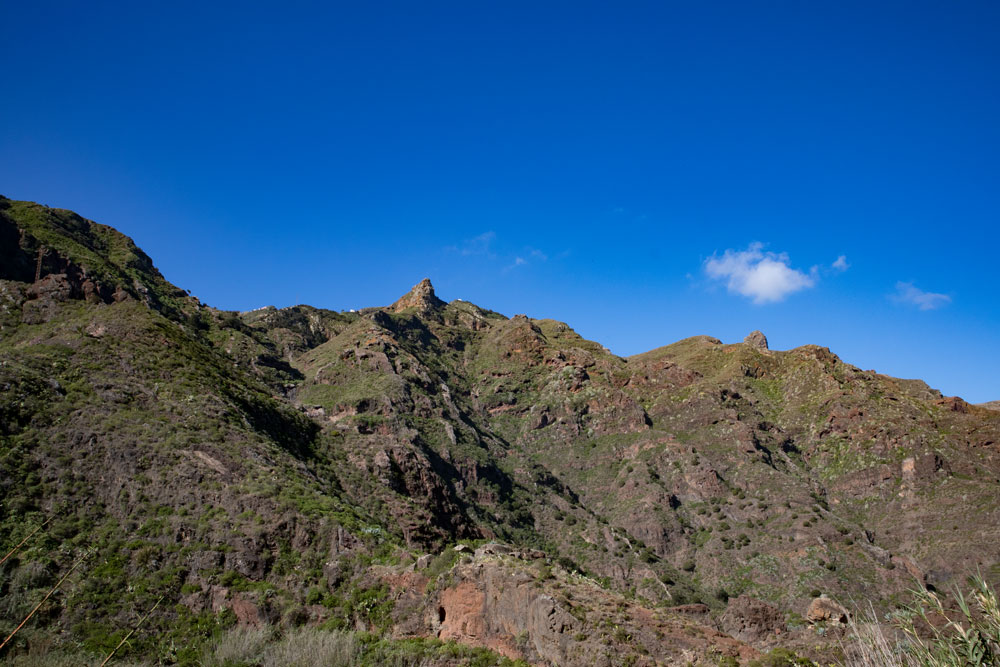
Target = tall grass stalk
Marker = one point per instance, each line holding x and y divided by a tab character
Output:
870	643
932	634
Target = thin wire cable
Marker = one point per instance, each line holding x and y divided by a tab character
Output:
138	625
47	595
11	552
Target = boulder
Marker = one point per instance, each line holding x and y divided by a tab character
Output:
825	610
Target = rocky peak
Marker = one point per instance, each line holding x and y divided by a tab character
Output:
756	339
421	297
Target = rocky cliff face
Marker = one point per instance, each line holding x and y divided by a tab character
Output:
301	466
517	604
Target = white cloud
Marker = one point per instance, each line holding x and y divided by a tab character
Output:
765	277
909	293
841	263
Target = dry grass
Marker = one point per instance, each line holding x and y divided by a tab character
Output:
930	634
871	643
299	648
313	648
65	660
272	647
238	646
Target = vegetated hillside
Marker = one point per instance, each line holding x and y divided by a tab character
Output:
300	466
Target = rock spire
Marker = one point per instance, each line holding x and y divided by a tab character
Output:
756	339
421	297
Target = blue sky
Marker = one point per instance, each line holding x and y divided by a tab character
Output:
642	171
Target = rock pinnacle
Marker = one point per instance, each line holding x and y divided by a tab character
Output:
756	339
421	297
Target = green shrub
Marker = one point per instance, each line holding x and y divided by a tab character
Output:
315	595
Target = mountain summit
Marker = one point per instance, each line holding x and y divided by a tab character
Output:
756	339
420	298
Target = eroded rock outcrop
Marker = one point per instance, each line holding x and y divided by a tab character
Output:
524	608
752	620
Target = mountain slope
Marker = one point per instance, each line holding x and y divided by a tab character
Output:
294	466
